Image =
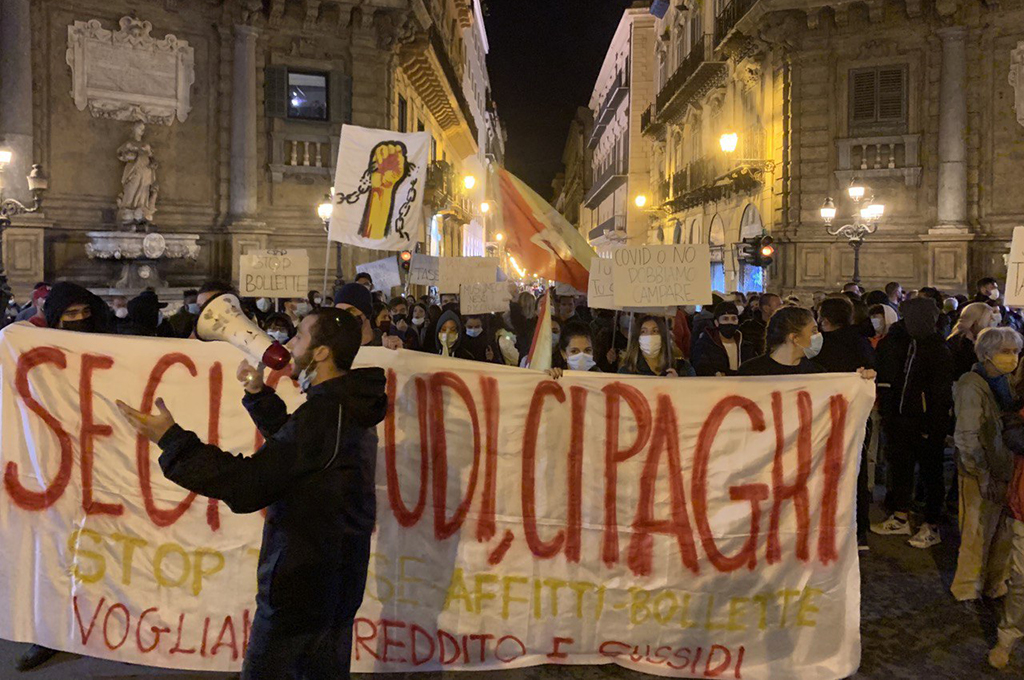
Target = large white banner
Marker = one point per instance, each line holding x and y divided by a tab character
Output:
378	188
694	527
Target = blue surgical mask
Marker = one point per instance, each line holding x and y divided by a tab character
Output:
280	336
306	378
555	337
474	332
193	308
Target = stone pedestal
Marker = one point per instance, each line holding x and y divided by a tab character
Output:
24	253
140	254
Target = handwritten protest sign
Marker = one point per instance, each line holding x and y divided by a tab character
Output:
601	291
274	274
696	527
423	270
455	271
383	272
654	276
1015	270
484	298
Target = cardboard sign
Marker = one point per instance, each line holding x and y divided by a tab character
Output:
1014	292
729	528
274	274
484	298
657	276
383	272
456	271
423	270
601	291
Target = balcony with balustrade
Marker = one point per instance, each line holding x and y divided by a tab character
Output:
691	76
444	193
612	99
729	17
613	227
873	158
299	154
607	179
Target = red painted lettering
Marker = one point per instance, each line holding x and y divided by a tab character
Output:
797	491
88	434
614	393
444	527
92	622
539	548
827	552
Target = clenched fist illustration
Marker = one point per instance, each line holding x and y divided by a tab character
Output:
390	167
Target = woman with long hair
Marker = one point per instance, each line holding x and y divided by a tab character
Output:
791	340
974	318
649	351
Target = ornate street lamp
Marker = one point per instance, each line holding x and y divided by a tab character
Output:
324	212
866	216
38	182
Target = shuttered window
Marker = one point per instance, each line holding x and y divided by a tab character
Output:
878	97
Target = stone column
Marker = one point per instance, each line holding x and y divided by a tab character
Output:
243	125
16	95
952	196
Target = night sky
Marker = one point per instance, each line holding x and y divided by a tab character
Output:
545	56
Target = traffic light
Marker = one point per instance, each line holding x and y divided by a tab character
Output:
406	259
757	250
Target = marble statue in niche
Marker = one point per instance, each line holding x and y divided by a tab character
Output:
137	203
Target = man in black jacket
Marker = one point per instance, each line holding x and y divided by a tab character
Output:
315	476
719	349
915	387
844	348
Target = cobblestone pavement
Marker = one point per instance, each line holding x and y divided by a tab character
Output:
911	629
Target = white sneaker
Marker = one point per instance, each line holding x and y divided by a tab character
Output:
894	526
926	537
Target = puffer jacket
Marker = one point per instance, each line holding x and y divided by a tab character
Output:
979	430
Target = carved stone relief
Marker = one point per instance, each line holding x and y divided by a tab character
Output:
128	74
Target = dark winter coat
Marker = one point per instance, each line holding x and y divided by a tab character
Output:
315	475
710	357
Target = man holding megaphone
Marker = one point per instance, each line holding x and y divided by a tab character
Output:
315	476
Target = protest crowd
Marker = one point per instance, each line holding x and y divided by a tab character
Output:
949	382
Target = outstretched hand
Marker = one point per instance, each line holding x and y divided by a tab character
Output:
154	426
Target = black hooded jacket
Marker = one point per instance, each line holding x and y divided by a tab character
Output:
65	294
457	350
315	475
915	371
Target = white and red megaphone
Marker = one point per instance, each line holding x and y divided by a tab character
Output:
221	318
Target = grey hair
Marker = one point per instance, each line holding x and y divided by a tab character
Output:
992	341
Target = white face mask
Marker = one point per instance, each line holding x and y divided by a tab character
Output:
739	309
419	321
816	341
650	345
121	312
263	304
318	301
993	294
555	337
879	324
159	318
581	362
447	339
303	308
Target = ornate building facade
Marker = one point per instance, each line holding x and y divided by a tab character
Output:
243	103
919	101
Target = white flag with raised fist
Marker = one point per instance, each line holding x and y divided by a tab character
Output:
379	187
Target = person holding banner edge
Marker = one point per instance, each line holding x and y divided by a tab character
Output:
315	476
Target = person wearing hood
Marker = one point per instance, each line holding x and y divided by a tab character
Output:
315	477
844	349
882	319
915	387
984	465
146	318
720	350
355	299
480	341
72	308
754	328
451	336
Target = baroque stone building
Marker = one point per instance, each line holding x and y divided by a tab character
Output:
919	101
243	103
577	158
